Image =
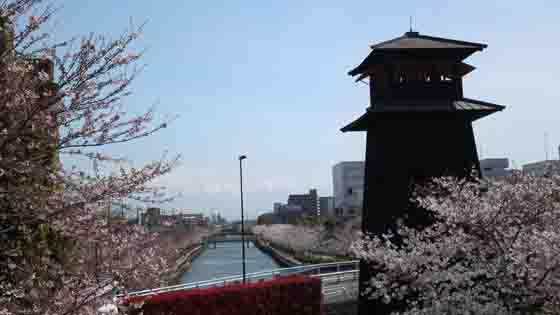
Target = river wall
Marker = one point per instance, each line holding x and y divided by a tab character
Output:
283	259
185	260
183	264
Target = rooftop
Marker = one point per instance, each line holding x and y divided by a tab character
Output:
414	40
416	44
474	108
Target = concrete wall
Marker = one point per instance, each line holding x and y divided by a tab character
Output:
326	206
348	186
496	167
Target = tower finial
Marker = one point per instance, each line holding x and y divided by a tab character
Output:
411	32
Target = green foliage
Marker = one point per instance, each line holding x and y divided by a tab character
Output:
313	259
329	224
313	221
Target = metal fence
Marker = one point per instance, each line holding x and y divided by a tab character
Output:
332	275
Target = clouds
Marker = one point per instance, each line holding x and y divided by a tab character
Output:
219	181
207	189
278	91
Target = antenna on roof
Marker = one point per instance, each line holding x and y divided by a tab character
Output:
411	23
546	146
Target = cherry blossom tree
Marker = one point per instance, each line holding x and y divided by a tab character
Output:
60	103
315	239
296	238
493	249
337	240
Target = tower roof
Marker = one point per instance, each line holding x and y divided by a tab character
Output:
414	40
468	108
416	44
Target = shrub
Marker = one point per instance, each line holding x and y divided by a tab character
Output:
285	296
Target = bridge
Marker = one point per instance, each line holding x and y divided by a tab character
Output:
229	237
339	279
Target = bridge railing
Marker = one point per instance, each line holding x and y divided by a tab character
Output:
329	272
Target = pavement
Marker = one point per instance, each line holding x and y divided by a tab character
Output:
338	289
340	296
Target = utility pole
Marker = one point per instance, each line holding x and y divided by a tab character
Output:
241	158
109	211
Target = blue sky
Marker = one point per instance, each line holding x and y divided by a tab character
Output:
268	79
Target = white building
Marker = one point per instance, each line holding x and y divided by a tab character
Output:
493	168
540	168
348	186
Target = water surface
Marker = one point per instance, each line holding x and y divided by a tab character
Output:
225	260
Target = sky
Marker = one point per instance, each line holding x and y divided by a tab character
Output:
268	79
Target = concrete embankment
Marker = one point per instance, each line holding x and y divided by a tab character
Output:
183	264
281	257
346	308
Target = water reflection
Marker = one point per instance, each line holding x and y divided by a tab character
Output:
225	260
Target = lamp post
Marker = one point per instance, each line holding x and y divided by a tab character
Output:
241	158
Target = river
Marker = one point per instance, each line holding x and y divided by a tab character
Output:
225	260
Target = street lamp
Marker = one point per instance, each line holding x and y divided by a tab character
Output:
241	158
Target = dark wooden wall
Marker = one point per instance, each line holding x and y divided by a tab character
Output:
403	149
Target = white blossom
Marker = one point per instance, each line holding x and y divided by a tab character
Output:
110	309
493	252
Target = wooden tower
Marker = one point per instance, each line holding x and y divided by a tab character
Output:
418	124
